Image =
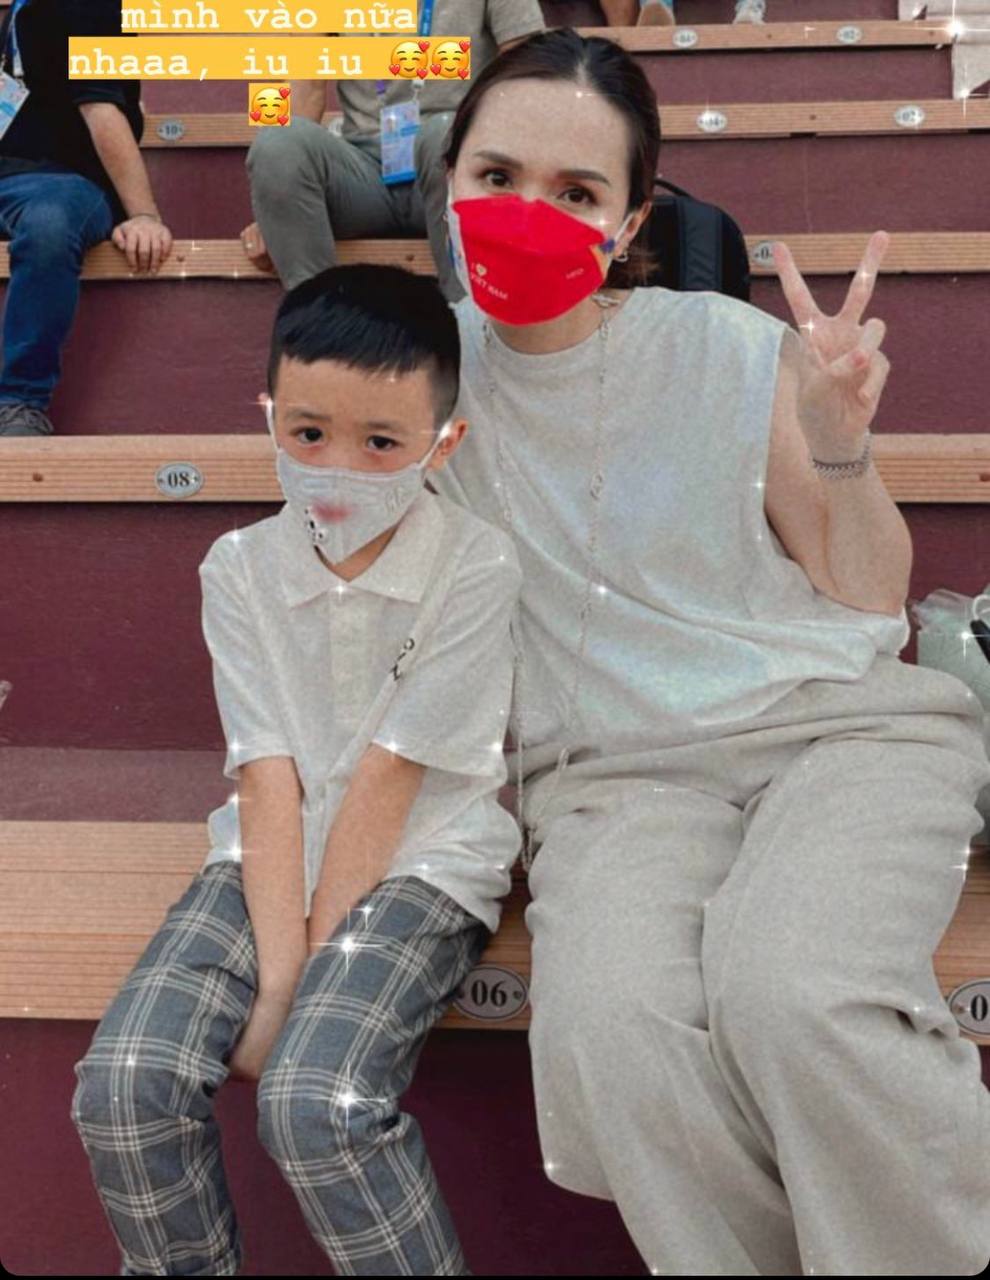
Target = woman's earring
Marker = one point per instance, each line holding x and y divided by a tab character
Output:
623	256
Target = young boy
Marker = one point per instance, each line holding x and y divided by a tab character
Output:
363	667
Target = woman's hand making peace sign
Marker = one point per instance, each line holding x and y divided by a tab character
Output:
843	370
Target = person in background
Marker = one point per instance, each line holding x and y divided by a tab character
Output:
660	13
71	175
310	187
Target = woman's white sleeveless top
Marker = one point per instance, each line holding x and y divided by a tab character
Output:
703	620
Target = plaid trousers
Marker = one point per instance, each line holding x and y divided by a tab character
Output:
328	1109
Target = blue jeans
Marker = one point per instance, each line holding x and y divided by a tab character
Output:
328	1097
52	217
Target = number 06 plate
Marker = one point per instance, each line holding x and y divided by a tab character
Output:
491	993
971	1005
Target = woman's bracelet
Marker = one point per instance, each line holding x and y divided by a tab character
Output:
157	216
839	469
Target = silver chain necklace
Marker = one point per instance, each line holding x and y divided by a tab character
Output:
595	489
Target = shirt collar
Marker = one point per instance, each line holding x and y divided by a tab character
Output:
400	572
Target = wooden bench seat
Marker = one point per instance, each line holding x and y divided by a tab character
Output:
814	33
680	122
79	901
816	254
916	467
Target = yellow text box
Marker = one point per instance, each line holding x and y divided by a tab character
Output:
236	17
268	58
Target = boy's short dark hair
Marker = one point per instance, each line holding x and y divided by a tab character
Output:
379	318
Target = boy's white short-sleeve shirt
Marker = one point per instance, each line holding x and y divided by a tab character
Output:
299	656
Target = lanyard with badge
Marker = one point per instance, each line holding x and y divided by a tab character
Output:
13	90
399	123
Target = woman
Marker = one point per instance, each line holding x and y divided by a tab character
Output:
759	832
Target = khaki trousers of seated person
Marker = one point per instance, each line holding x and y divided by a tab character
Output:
310	188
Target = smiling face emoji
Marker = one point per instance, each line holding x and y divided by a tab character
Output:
451	60
268	104
408	59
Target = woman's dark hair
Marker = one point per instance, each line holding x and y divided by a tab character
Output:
378	318
603	65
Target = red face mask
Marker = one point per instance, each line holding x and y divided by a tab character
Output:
523	261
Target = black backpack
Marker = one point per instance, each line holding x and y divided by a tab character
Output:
699	246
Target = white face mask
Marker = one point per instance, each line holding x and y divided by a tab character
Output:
375	501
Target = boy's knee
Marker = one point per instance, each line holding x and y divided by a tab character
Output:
298	1126
89	1097
292	1127
124	1092
96	1099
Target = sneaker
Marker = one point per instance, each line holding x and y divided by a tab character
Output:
750	11
656	13
17	419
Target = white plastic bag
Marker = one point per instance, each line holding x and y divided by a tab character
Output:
947	643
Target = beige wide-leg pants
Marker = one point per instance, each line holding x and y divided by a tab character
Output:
737	1034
